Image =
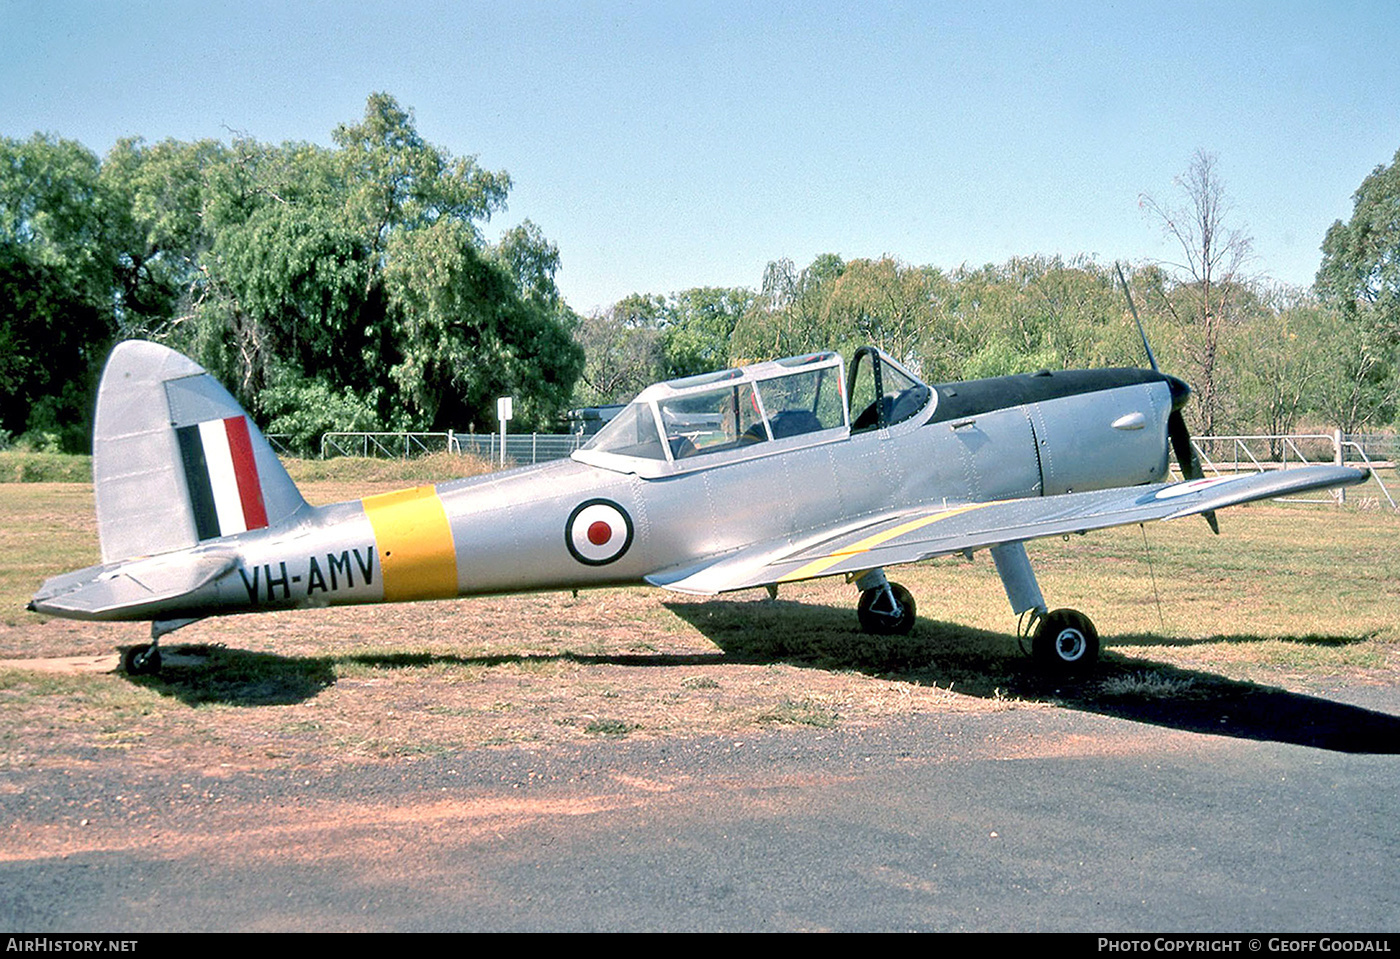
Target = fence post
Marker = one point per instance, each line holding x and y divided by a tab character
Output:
1339	459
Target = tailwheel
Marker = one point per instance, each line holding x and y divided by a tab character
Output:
1065	643
142	660
886	610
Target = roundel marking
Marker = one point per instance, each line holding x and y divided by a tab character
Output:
598	532
1192	486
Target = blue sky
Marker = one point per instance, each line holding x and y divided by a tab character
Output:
669	145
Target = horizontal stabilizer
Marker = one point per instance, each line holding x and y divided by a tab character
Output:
130	590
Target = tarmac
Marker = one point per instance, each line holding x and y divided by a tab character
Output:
1025	819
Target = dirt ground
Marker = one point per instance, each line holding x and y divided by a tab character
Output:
1289	599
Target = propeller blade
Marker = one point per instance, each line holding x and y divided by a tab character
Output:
1177	432
1137	319
1187	459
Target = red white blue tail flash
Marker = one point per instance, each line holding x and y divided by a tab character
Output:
222	477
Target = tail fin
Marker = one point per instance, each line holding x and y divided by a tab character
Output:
175	460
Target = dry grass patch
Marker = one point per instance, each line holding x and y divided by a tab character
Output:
1289	596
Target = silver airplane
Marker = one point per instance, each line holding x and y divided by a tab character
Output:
752	477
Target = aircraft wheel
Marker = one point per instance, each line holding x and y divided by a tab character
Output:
1066	643
143	660
881	617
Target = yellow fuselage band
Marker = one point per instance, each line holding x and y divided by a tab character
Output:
414	538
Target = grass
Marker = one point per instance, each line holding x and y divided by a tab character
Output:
1146	684
429	468
22	466
1289	597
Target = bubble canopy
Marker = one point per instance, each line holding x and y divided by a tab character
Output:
715	418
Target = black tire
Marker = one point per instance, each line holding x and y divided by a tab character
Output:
1066	643
876	616
141	660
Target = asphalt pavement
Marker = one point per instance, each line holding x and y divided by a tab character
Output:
1030	818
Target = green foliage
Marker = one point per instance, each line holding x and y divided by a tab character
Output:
1001	357
303	408
1360	276
644	338
1359	386
1360	269
1280	356
37	466
318	283
621	354
788	316
697	326
352	286
58	258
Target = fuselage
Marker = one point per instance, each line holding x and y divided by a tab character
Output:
535	528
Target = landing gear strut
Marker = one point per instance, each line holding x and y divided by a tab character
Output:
1065	642
144	660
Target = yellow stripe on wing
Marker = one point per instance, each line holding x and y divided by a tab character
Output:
819	566
416	553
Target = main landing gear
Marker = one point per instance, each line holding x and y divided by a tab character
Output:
1064	642
886	610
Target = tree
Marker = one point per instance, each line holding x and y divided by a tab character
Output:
697	327
622	350
1035	313
1360	276
1357	386
1282	376
59	254
163	190
882	302
360	273
1209	276
788	315
1360	269
52	343
643	338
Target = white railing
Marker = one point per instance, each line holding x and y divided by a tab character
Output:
389	445
522	448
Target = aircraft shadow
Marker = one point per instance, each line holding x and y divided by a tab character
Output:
973	661
982	663
200	674
237	677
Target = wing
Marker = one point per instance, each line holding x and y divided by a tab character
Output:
911	535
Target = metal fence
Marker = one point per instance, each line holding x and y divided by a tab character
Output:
1219	454
388	445
521	448
282	444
